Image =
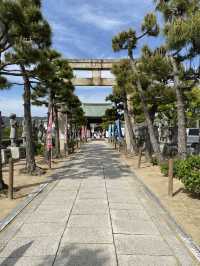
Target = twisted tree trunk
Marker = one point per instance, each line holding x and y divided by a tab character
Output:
129	126
154	141
49	134
182	139
66	136
31	167
57	133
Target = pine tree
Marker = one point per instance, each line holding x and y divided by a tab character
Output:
182	33
3	85
26	35
128	40
55	83
124	87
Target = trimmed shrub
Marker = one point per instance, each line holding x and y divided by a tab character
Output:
165	168
154	161
39	149
188	171
192	182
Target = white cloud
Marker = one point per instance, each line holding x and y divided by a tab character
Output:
94	16
67	39
13	79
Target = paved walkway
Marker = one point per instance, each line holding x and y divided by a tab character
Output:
94	212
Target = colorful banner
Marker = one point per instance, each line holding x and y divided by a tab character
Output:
49	131
118	129
110	131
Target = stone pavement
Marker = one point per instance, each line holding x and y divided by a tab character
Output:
94	212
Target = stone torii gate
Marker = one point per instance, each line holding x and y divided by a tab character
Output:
96	66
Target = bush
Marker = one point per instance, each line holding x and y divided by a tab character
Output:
165	168
39	149
154	161
188	171
6	133
192	182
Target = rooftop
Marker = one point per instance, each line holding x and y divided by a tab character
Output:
95	109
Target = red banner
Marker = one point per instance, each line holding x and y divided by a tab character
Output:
49	132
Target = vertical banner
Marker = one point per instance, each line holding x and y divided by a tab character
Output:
1	174
119	129
82	133
85	133
110	131
49	132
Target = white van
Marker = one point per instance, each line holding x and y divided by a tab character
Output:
193	139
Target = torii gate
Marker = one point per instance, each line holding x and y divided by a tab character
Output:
96	66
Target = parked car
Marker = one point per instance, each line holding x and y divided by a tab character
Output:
193	140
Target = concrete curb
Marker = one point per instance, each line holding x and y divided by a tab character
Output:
21	206
186	239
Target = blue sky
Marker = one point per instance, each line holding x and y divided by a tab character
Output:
84	29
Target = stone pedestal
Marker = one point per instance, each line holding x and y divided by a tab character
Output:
5	154
18	152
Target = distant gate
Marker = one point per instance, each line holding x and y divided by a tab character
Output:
96	66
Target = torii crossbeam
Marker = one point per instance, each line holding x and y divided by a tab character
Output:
96	66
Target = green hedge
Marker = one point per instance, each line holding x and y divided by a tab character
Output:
164	168
188	171
39	149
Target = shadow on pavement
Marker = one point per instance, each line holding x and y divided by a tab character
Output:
16	255
75	255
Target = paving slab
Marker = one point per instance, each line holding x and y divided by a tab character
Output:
62	200
97	190
89	221
59	206
141	245
95	235
86	255
31	247
130	260
91	194
40	229
138	227
27	261
90	207
123	206
48	217
122	199
136	214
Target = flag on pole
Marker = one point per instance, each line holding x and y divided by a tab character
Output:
49	131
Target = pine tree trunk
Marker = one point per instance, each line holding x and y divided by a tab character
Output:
130	108
50	105
129	127
31	167
57	134
148	148
154	141
66	136
182	139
